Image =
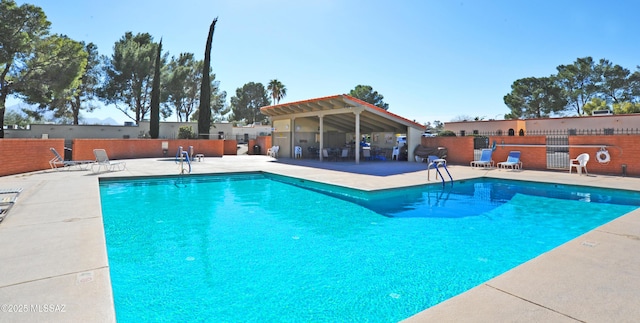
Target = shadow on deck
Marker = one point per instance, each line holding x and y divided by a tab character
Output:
375	168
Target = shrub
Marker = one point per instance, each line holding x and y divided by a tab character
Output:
447	133
186	132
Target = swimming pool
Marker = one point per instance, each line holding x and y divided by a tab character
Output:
262	247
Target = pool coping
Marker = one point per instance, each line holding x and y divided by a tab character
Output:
53	242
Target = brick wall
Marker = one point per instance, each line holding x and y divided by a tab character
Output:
146	148
623	149
459	149
264	142
230	147
27	155
534	157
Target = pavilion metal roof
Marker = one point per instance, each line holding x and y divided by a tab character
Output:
338	112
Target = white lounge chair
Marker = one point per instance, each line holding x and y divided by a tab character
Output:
102	161
8	197
485	159
580	163
513	161
57	162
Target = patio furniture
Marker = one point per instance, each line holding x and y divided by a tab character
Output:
57	162
297	152
513	161
580	163
485	159
102	161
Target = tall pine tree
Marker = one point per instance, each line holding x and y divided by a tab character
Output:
154	123
204	118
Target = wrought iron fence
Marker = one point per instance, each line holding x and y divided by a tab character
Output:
557	152
554	132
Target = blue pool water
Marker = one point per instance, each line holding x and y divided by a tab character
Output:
265	248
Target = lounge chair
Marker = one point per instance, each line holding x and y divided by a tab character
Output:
8	197
579	163
102	161
513	161
485	159
57	162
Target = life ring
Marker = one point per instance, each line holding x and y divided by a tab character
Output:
603	156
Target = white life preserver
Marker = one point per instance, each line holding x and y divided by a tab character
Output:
603	156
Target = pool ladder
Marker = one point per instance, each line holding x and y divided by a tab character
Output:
183	156
434	161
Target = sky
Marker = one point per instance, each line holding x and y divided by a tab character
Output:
430	59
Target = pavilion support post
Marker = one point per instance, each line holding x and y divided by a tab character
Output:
357	126
321	130
292	144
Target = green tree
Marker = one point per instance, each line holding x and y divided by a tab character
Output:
633	81
367	94
277	90
83	98
462	117
595	104
182	85
68	104
626	108
184	79
533	97
438	126
614	86
129	75
21	27
154	122
579	82
17	118
217	100
204	110
246	104
54	73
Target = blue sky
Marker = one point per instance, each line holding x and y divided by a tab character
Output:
431	60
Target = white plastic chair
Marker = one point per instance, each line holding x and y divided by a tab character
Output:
366	153
345	153
273	151
579	163
325	153
297	152
396	153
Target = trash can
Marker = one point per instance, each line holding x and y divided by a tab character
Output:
256	150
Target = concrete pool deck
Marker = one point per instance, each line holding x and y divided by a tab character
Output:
53	253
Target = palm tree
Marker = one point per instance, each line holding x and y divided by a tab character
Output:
277	89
